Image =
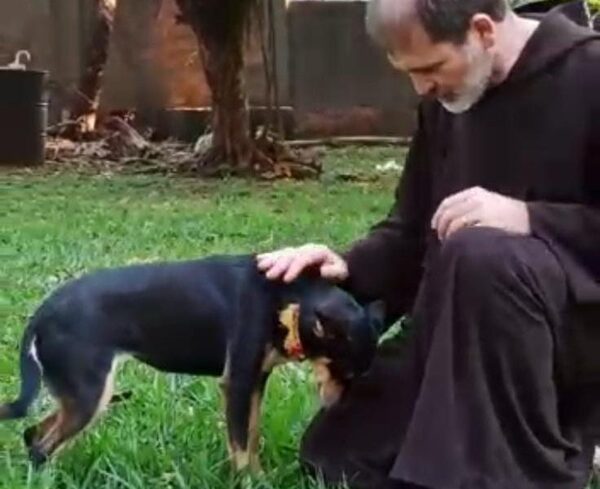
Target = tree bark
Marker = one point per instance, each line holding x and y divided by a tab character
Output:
232	141
219	26
85	102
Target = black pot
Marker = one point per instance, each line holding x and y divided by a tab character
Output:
23	117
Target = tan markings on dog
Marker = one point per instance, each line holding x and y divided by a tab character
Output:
289	319
49	434
107	392
53	433
288	316
68	422
223	383
43	428
330	391
318	330
254	433
34	355
241	458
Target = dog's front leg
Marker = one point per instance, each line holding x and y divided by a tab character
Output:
254	425
245	375
243	398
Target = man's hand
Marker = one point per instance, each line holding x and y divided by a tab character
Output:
479	207
290	262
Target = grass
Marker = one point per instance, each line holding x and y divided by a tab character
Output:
170	434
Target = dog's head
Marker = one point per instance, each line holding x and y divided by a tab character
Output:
338	335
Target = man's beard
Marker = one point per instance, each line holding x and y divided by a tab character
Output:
477	81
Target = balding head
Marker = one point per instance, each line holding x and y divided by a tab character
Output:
389	21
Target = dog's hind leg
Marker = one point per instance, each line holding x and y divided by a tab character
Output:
82	394
33	432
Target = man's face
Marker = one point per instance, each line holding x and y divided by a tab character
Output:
456	75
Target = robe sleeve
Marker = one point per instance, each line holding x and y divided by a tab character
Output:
573	229
386	263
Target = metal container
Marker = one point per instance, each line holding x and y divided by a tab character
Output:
23	116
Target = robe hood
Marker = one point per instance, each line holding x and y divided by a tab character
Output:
561	30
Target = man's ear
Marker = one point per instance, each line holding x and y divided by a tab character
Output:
485	29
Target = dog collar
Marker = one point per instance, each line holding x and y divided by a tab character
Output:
289	319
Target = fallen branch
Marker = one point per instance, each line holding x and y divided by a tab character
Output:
129	137
350	141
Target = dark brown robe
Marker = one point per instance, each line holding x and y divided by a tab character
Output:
498	385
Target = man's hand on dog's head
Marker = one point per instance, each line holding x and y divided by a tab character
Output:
288	263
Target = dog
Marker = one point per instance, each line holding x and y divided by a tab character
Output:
216	316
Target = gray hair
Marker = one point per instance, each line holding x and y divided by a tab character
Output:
443	20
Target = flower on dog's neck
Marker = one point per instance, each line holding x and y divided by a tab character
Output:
289	319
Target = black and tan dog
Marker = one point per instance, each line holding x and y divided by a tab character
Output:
217	317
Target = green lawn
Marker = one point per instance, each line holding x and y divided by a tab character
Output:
171	434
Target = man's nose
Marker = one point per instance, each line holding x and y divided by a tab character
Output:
423	86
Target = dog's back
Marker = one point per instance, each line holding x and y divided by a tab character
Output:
174	316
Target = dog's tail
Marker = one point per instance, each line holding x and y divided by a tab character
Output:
31	379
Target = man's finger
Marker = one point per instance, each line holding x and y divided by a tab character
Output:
279	267
268	259
451	201
334	271
456	197
464	221
299	263
453	213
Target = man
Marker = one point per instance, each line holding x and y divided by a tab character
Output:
492	248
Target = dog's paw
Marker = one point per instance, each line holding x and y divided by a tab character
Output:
256	468
250	480
37	457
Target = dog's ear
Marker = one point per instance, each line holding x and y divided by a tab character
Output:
376	312
330	319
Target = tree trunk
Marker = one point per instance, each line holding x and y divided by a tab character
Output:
232	142
219	26
85	103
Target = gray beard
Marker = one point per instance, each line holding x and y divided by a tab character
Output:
476	84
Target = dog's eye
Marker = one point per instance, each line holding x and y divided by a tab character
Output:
318	330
